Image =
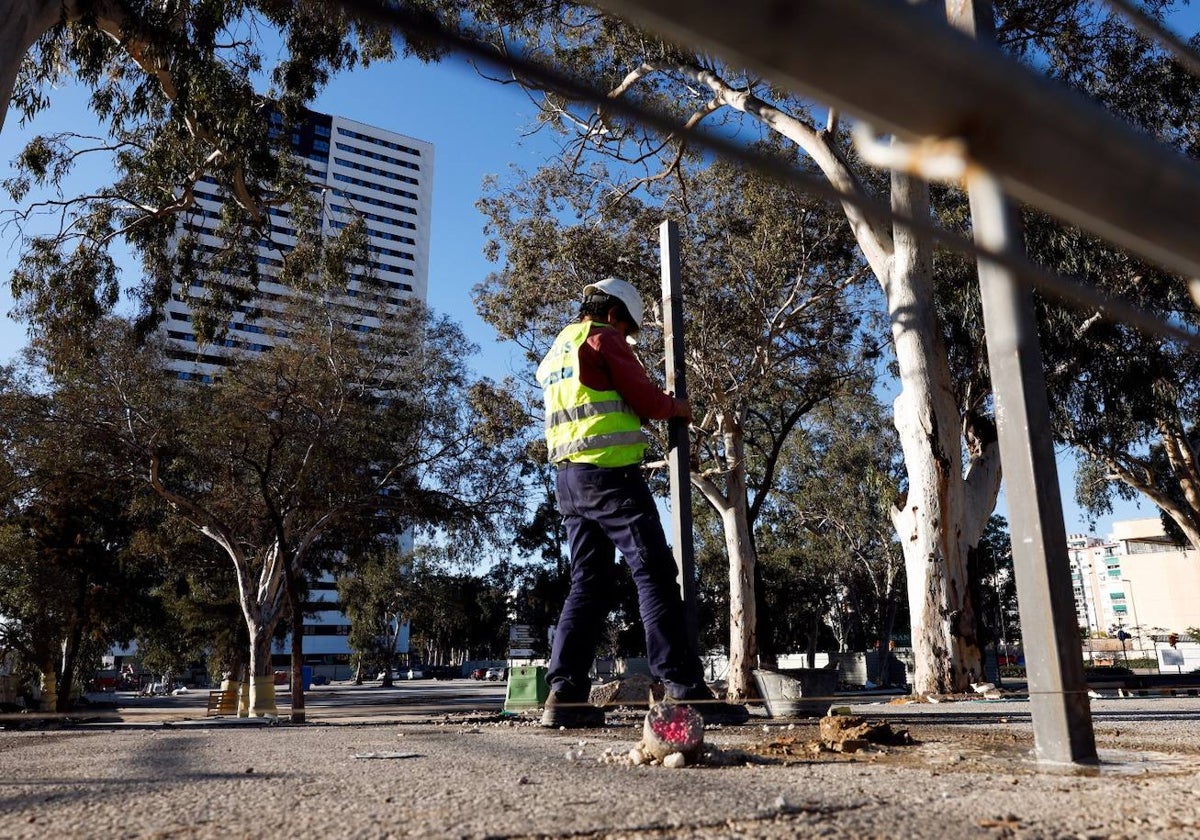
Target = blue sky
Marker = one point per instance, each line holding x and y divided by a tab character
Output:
478	128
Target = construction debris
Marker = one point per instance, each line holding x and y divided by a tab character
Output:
850	733
632	690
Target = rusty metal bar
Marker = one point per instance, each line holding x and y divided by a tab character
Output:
900	67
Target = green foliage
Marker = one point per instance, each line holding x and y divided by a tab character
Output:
1124	400
74	574
372	586
195	616
174	87
992	572
333	435
455	612
826	544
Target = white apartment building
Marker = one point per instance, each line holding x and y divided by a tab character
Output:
1090	559
1138	580
359	170
384	177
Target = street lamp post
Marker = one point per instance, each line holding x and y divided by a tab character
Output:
1137	625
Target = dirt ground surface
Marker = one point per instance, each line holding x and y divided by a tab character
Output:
968	773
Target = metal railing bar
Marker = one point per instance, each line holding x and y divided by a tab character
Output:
1072	292
1051	147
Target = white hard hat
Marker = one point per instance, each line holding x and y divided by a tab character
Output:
623	291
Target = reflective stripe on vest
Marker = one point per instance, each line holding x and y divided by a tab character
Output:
583	424
579	412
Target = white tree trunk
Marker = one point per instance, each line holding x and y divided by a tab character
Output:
947	510
743	618
260	667
942	517
733	507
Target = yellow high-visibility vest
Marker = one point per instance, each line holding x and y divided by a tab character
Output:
582	424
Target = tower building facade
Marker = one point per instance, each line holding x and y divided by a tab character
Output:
357	171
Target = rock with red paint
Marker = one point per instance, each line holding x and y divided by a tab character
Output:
670	728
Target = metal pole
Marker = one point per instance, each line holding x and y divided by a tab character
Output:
1062	723
1137	625
893	64
678	441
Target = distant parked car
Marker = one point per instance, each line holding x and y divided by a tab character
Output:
479	674
496	674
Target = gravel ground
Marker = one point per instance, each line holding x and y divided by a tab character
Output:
968	775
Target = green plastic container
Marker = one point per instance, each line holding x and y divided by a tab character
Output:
527	688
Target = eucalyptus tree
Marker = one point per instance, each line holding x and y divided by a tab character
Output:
771	327
840	476
180	92
334	429
371	589
1126	401
456	615
75	573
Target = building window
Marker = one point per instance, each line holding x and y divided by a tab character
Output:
379	142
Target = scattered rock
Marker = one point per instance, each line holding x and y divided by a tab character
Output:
850	745
674	760
836	731
669	728
633	690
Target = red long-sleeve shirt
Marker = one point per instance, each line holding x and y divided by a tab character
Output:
607	364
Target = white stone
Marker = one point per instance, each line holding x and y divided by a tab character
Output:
674	761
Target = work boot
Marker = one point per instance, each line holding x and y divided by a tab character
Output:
713	711
571	712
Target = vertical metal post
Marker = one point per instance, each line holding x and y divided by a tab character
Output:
678	442
1062	722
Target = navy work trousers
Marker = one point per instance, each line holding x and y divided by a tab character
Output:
609	509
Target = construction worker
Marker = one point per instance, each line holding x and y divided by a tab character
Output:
597	395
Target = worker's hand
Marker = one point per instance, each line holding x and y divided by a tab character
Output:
683	409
